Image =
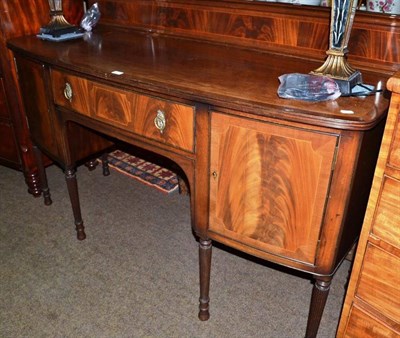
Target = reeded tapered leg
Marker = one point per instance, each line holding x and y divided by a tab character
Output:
104	163
318	300
42	176
205	248
72	185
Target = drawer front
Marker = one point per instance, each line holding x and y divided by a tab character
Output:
379	282
161	120
387	214
362	324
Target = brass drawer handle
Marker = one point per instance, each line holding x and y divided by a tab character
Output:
160	121
68	92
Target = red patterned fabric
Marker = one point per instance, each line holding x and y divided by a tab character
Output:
149	173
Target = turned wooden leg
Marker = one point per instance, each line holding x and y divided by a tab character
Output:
205	247
72	185
42	176
33	182
318	300
91	164
104	163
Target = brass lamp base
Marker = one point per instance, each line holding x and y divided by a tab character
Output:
337	68
58	29
57	22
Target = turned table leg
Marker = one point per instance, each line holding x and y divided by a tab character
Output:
104	164
72	185
318	300
205	247
33	182
91	164
42	176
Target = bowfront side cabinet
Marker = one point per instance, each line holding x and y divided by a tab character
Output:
372	304
281	180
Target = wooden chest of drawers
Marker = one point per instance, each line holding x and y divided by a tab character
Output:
372	305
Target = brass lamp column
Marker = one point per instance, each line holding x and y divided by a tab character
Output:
57	22
336	65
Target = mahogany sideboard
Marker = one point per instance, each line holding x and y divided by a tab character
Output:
196	82
372	305
19	18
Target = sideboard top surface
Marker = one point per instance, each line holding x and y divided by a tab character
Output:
215	74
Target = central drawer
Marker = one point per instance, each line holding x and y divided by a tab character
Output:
161	120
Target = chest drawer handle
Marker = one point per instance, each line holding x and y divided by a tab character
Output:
68	92
160	121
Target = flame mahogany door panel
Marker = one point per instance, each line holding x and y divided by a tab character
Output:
269	185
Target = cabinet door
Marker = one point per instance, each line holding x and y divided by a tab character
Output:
8	146
4	113
269	185
41	119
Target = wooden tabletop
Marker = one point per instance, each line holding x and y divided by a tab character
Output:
215	74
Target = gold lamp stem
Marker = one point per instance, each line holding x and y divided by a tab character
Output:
336	65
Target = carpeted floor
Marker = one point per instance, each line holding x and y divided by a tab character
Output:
136	274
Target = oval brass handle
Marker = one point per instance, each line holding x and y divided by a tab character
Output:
68	92
159	121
